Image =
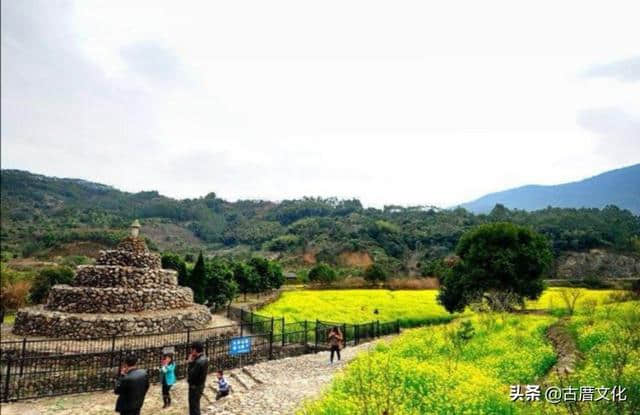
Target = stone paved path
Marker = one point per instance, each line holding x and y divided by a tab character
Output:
286	383
280	386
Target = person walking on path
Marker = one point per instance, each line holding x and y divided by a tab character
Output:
198	365
223	385
335	341
131	386
168	378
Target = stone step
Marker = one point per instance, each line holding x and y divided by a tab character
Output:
254	376
243	382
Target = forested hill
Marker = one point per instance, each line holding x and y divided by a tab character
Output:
44	216
619	187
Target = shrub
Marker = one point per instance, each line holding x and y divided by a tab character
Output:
375	273
592	281
14	291
322	274
14	295
47	278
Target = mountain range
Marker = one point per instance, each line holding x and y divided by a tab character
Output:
620	187
48	217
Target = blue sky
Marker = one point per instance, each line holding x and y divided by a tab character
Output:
391	102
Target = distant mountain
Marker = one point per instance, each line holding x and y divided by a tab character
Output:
619	187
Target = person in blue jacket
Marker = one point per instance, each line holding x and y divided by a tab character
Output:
168	377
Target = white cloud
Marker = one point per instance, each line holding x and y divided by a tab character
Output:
408	102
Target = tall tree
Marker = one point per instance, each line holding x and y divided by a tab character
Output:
219	288
246	277
198	279
500	263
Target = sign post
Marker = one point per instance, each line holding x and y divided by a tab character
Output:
239	346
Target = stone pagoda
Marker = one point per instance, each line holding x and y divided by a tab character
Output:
126	293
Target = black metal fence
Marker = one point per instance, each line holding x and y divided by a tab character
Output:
49	367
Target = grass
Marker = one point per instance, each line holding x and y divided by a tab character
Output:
412	308
424	372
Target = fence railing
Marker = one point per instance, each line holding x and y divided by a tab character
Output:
50	367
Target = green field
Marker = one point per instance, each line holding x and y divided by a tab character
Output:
412	308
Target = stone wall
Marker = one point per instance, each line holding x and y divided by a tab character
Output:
117	299
42	322
132	244
597	263
118	276
129	259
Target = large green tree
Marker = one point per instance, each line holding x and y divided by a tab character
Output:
198	279
246	278
219	288
500	263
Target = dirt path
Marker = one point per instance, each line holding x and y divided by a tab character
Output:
274	387
565	347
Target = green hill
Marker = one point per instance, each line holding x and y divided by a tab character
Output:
46	216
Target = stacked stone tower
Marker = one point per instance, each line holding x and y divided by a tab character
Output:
125	293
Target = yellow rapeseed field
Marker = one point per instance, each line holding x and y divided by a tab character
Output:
551	299
412	308
425	372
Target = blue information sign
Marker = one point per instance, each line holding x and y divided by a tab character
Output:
239	345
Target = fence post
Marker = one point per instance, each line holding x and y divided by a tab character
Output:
22	353
6	379
373	329
317	336
378	328
283	331
113	349
186	346
356	334
398	326
305	334
271	341
344	334
251	321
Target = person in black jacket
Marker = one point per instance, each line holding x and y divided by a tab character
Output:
197	369
131	386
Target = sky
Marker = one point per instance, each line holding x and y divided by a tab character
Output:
409	103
